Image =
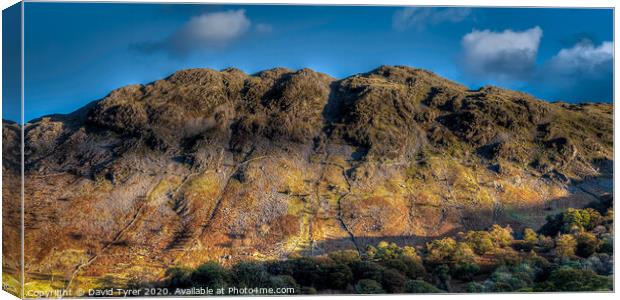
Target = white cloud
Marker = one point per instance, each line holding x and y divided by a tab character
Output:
583	57
420	17
210	30
502	55
207	31
583	72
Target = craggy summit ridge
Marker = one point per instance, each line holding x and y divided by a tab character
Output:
389	112
228	166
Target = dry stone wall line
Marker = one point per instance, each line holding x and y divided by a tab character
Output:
339	214
205	226
117	238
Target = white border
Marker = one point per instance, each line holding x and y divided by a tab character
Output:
469	3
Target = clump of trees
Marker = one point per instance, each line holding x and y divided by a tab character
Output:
573	251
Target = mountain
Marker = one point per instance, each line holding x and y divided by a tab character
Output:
226	166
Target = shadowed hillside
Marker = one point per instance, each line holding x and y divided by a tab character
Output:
225	166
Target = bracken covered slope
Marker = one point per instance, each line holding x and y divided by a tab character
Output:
221	165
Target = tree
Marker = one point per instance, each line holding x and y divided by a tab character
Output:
368	286
587	243
385	251
571	279
474	287
572	220
464	264
411	253
420	286
408	266
284	281
607	245
180	277
367	270
371	252
306	271
530	236
539	263
308	290
480	241
393	281
601	263
545	243
440	251
251	274
508	256
580	219
335	275
458	258
210	274
609	217
565	245
505	279
501	236
442	275
345	256
282	267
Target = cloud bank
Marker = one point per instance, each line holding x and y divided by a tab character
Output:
584	57
207	31
501	56
583	72
419	17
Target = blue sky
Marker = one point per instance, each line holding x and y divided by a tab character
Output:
76	53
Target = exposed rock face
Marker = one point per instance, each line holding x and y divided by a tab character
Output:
226	166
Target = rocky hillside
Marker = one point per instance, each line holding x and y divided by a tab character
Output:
222	165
